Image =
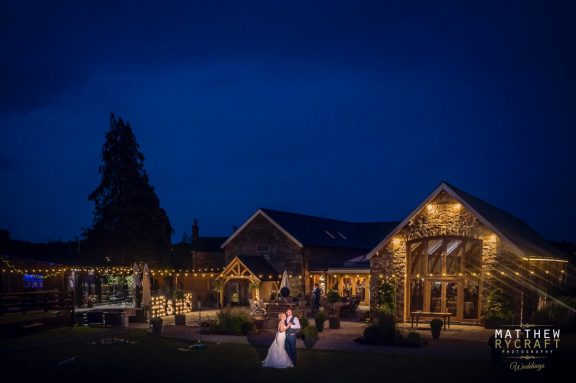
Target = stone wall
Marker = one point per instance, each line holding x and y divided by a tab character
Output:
443	216
283	253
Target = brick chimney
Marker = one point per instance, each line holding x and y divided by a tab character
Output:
195	231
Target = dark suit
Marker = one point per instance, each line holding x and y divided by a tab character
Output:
316	299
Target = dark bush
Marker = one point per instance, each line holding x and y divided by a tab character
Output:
333	296
246	327
413	336
231	321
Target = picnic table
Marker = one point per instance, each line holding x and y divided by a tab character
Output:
428	314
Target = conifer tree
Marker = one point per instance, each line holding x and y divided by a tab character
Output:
128	224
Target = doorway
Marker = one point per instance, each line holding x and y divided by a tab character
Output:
443	296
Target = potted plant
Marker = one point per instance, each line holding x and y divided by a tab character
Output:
310	336
319	320
436	327
497	311
156	323
304	322
334	322
333	296
179	319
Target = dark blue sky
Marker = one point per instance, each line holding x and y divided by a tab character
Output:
346	109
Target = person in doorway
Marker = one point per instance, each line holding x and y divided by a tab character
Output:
235	298
316	293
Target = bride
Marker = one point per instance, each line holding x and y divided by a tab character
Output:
277	356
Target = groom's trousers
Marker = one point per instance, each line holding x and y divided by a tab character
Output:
290	347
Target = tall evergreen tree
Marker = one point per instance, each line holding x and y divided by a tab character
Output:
129	224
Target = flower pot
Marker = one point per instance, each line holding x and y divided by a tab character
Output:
180	320
156	324
436	327
309	342
319	326
334	323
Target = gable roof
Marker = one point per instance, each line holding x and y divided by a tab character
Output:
515	229
508	227
259	265
307	230
251	267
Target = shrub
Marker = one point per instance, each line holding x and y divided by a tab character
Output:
304	322
413	336
310	336
246	327
383	328
559	312
373	334
231	321
310	332
497	306
386	296
320	317
156	323
333	296
178	294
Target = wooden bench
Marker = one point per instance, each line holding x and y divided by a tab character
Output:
429	314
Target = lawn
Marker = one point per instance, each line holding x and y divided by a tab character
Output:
154	358
26	317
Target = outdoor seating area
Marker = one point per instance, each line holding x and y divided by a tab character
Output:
349	310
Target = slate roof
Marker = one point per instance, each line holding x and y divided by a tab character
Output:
258	265
325	232
207	244
512	227
182	252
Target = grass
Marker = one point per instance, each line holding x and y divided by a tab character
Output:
26	317
154	358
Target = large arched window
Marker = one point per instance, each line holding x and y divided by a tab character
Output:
444	275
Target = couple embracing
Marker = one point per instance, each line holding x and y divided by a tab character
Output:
282	352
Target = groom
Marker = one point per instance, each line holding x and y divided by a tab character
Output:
293	325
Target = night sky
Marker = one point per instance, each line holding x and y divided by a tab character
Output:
345	109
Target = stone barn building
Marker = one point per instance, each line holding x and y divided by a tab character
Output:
454	249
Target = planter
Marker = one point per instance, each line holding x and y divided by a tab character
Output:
319	320
180	320
436	327
156	323
334	323
309	342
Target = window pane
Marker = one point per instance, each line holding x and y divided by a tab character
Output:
471	298
435	257
417	295
436	296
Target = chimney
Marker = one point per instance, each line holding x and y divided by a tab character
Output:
195	231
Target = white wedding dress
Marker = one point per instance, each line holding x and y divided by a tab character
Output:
277	356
